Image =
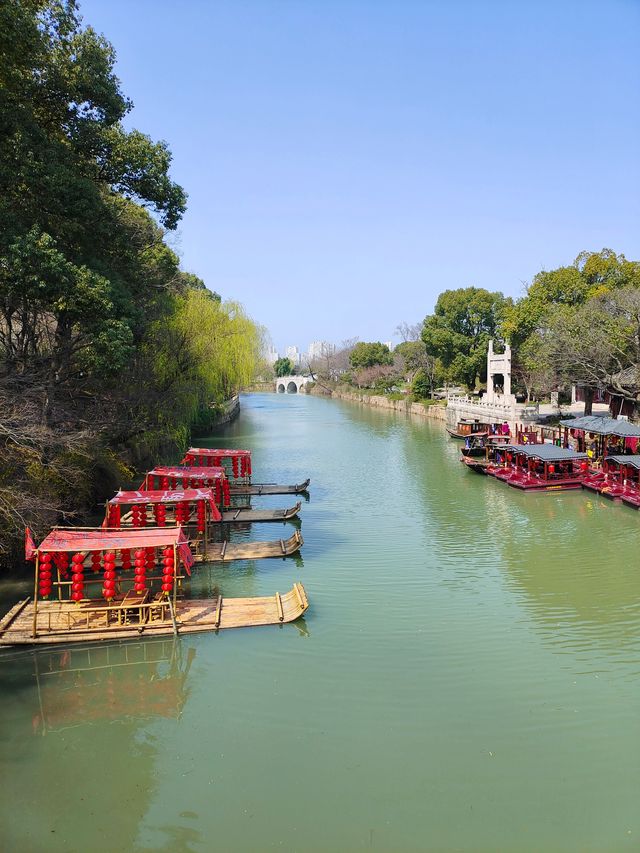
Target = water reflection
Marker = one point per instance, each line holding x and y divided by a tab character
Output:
78	686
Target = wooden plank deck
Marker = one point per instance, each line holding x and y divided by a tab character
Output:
267	488
237	515
250	550
67	622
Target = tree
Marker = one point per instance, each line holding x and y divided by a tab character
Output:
370	354
550	331
458	332
422	386
283	367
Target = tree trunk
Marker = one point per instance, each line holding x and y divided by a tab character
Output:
588	401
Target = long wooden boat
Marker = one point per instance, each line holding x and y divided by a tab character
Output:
65	622
480	450
269	489
540	467
130	588
180	477
465	428
237	466
238	515
227	551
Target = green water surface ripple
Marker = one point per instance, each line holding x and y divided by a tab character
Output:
467	676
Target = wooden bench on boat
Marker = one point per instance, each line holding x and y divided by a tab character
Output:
62	611
540	467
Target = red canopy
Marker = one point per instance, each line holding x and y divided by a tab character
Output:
226	452
98	539
189	472
167	497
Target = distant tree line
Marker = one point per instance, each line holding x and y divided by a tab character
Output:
576	324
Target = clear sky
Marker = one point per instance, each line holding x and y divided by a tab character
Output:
347	160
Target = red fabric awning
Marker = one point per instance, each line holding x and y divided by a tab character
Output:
168	497
189	472
222	452
98	539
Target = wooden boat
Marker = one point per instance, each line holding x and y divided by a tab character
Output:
239	515
196	511
268	489
134	579
479	451
466	428
237	465
64	622
620	479
539	467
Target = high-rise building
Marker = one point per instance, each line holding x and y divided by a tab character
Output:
317	349
271	355
294	355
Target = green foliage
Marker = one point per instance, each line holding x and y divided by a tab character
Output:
283	367
421	385
458	332
370	354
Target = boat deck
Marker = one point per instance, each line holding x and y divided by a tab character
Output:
248	550
68	622
531	483
267	488
238	515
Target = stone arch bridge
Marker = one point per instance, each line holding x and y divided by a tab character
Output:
291	384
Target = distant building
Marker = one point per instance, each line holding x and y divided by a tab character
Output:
271	355
294	355
389	344
318	349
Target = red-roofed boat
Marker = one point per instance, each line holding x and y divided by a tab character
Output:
237	465
96	584
540	467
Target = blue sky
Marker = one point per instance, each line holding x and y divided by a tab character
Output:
347	161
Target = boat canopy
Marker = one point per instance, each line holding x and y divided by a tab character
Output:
166	496
240	459
218	452
97	539
546	452
195	473
603	426
633	460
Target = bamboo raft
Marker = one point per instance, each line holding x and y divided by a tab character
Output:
268	488
247	550
67	622
243	514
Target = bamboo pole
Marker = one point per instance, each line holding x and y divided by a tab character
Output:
35	595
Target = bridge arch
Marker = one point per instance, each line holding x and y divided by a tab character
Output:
291	384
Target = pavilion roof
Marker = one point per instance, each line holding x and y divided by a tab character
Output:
193	473
604	426
632	459
168	496
99	539
546	452
218	452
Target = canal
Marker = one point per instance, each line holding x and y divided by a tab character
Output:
467	676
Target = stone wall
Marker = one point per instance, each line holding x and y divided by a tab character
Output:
378	401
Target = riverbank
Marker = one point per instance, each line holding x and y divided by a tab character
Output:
436	411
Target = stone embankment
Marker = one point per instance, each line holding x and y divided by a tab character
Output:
379	401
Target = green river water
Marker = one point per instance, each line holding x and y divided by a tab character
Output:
467	676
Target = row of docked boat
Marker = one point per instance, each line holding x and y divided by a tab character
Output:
594	453
128	577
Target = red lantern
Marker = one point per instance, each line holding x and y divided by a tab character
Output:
77	587
46	558
584	466
76	596
139	586
167	587
552	469
77	558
